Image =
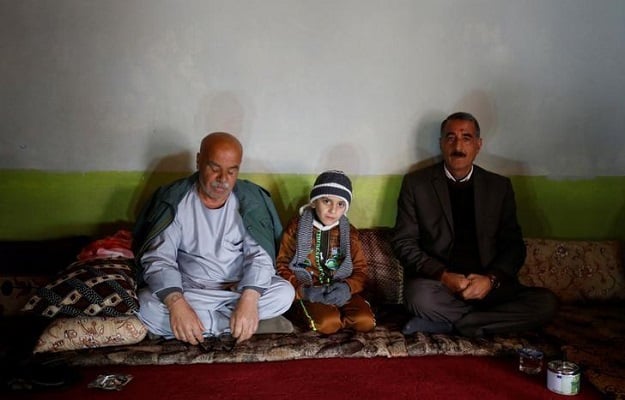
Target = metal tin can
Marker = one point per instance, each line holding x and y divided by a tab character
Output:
563	377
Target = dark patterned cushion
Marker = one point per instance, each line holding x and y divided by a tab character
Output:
104	286
386	275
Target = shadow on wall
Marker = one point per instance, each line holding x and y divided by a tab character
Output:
222	112
618	227
168	158
158	174
290	192
346	157
125	202
428	149
297	191
350	159
480	105
161	170
530	214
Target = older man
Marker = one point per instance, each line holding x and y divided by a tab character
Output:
457	236
207	247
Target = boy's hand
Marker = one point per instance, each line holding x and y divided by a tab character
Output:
314	294
337	294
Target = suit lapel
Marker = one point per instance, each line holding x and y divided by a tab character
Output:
481	199
439	182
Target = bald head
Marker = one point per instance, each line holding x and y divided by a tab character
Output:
218	140
218	164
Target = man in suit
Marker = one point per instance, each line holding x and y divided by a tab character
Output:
458	239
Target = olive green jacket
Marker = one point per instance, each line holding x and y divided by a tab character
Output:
255	206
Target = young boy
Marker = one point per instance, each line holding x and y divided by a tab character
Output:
321	255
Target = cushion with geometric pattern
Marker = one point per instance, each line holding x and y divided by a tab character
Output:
101	286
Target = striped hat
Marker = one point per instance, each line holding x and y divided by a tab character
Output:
332	183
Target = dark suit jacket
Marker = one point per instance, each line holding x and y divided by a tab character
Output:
424	231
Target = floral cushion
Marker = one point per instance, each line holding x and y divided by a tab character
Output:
101	286
576	271
90	332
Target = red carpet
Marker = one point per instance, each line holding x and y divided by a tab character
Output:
435	377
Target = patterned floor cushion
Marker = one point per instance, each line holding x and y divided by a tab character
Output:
101	286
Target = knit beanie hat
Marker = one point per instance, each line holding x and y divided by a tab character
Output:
332	183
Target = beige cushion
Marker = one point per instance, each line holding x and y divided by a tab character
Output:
90	332
576	271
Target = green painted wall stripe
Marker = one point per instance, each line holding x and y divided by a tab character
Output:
39	205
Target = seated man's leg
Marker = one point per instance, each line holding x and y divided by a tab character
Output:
216	306
207	303
154	314
213	307
273	303
276	300
434	306
513	309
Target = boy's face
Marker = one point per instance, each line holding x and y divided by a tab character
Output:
329	209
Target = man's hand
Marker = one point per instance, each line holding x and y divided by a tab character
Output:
244	319
455	282
184	322
479	287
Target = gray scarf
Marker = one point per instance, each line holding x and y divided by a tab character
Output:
304	244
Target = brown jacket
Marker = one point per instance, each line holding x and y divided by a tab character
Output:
356	281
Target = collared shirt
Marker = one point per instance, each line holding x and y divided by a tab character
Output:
450	176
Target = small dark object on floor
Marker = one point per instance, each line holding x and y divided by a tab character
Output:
227	341
209	343
223	342
36	374
110	382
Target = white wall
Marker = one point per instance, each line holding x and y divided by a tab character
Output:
307	85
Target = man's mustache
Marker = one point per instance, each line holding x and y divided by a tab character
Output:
458	154
219	185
